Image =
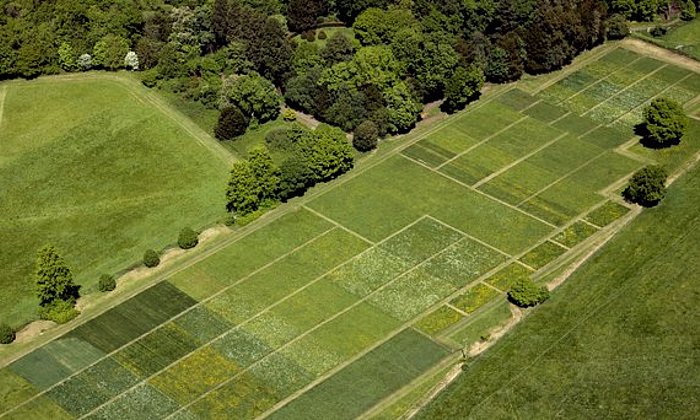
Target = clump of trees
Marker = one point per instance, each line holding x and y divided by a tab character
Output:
526	293
55	288
665	123
7	334
313	156
647	187
151	258
106	283
365	136
187	238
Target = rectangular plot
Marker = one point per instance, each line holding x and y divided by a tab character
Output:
203	324
479	327
602	91
134	317
602	68
516	99
646	65
607	213
545	112
241	347
671	74
620	56
463	262
40	408
453	138
524	137
576	124
569	86
542	255
557	93
424	155
438	320
581	103
141	402
282	375
575	234
561	202
420	241
607	112
518	183
509	276
310	354
364	383
198	373
249	253
604	171
679	94
272	330
242	398
625	78
488	119
474	298
371	270
411	294
437	148
314	305
567	154
92	387
692	83
14	389
156	350
477	164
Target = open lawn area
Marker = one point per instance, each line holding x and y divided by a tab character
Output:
92	165
370	283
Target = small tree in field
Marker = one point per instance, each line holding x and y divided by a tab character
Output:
106	283
665	123
365	136
151	258
54	279
187	239
647	186
7	334
232	123
525	293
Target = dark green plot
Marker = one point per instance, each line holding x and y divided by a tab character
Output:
516	99
203	324
607	138
671	74
576	124
646	64
620	56
425	156
545	112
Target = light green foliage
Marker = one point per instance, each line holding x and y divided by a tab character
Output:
463	86
374	65
66	57
187	238
54	280
109	52
106	283
474	298
402	108
266	174
306	57
327	152
439	320
375	26
254	183
256	96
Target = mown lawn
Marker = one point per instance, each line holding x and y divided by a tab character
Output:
618	339
98	171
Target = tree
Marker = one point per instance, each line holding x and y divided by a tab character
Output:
433	67
302	14
688	10
525	293
327	152
665	123
365	136
295	177
241	193
266	173
463	87
131	61
7	334
187	238
338	49
617	27
66	57
647	186
151	258
255	96
401	108
231	123
54	279
109	52
106	283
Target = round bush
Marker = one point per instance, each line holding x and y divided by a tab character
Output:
365	136
232	123
525	293
647	186
106	283
617	27
7	334
150	258
187	239
59	311
277	139
665	123
322	34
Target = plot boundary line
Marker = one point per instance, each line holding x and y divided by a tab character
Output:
337	224
3	94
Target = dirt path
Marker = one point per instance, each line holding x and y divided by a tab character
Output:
3	93
306	119
663	54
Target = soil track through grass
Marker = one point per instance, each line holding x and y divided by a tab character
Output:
3	92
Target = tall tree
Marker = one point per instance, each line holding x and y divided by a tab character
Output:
303	14
54	280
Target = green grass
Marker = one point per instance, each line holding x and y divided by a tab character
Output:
365	382
674	157
542	255
607	213
575	234
616	340
255	137
93	167
438	320
508	276
685	37
474	298
479	326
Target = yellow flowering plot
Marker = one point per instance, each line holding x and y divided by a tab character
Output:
439	320
475	298
199	372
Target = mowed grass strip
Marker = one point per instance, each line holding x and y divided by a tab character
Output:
368	380
100	163
250	253
390	196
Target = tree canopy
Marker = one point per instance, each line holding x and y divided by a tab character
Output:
665	123
54	280
647	187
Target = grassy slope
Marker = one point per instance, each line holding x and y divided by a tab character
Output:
685	37
618	339
90	167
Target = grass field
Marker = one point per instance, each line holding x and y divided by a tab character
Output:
94	167
685	37
618	339
332	308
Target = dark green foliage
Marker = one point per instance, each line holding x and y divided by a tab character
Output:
109	52
647	186
303	14
54	279
322	35
525	293
665	123
658	31
151	258
617	27
187	238
58	311
255	96
231	123
106	283
365	136
463	87
278	139
295	177
688	10
7	334
338	49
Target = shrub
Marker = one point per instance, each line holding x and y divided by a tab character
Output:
525	293
665	123
187	239
658	31
647	186
617	27
322	34
7	334
149	78
277	139
150	258
289	115
59	311
688	10
232	123
106	283
365	136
